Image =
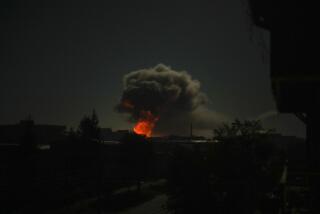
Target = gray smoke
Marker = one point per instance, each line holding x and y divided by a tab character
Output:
171	95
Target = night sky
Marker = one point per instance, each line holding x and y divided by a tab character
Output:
61	60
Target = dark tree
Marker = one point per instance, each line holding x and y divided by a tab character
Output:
233	175
28	138
248	129
89	127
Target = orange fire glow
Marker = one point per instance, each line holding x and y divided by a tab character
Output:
145	124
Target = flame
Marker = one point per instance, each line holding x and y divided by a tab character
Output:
145	124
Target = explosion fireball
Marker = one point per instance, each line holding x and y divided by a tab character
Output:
162	100
145	124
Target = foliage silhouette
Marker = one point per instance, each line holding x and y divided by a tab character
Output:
89	127
234	175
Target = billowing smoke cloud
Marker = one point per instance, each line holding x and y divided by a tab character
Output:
172	96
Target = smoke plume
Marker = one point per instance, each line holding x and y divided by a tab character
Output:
173	97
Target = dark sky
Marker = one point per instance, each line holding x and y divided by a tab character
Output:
60	60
